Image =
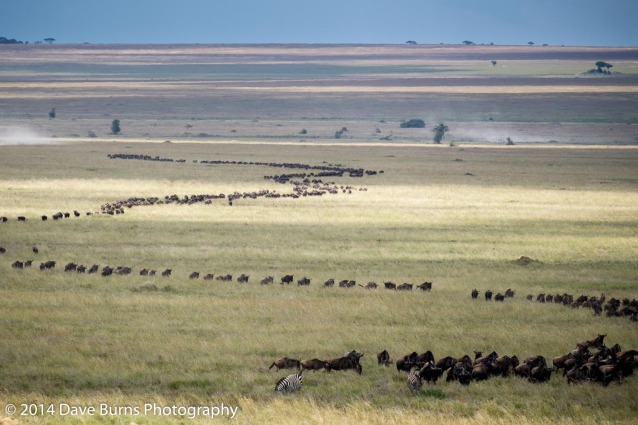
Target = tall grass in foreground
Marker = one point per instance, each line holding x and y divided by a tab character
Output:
87	339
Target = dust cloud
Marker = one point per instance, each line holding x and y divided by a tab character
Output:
22	136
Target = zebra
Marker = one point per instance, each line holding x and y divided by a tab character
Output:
414	380
289	384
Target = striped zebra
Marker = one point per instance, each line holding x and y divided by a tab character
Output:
414	380
289	384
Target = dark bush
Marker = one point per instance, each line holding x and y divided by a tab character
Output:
414	123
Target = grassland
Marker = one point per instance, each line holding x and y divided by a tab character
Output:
456	215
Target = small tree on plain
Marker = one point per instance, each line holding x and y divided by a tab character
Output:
115	127
493	63
531	43
439	132
52	113
413	123
49	40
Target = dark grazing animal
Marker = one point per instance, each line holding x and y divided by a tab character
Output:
370	285
430	373
383	358
499	297
349	361
425	286
243	278
405	287
289	384
209	276
329	283
285	363
267	280
314	364
303	282
390	285
167	272
287	279
475	294
509	293
488	295
194	275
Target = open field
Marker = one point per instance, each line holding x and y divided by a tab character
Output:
459	216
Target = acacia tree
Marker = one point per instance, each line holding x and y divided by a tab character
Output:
49	40
602	64
439	132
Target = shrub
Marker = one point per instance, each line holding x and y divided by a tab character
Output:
115	127
413	123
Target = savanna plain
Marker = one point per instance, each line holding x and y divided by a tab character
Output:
460	214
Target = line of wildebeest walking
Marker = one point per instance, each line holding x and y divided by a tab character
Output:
612	307
304	184
589	361
243	278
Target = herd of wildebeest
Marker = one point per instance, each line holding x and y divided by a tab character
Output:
612	307
603	365
589	361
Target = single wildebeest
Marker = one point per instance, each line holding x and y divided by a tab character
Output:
285	363
267	280
70	267
22	218
314	364
3	250
209	276
350	361
243	278
18	265
475	294
407	362
44	218
430	373
488	295
383	358
303	282
329	283
425	286
94	268
499	297
509	293
390	285
287	279
405	287
167	272
194	275
81	269
144	272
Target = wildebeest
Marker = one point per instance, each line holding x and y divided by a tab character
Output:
407	362
370	285
475	294
47	265
405	287
488	295
81	268
22	218
17	265
107	271
243	278
499	297
390	285
209	276
425	286
383	358
329	283
94	268
509	293
267	280
287	279
285	363
303	282
70	267
44	218
144	272
3	250
3	219
349	361
314	364
194	275
430	373
167	272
